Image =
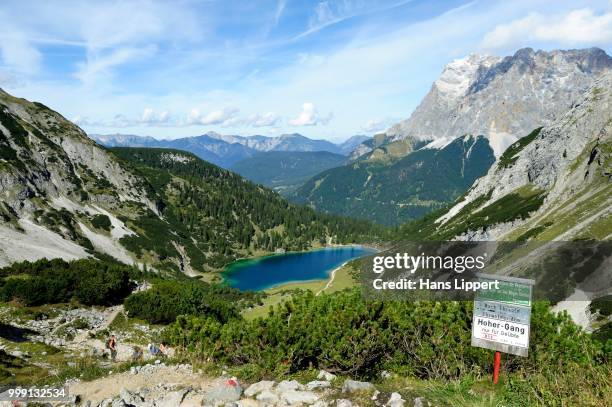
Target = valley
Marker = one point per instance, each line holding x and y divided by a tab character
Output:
245	254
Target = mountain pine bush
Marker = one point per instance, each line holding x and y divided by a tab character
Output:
345	334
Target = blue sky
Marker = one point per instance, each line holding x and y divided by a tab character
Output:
326	69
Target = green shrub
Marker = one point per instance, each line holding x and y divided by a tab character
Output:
101	221
345	334
509	156
168	299
89	281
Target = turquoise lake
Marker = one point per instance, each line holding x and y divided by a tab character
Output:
266	272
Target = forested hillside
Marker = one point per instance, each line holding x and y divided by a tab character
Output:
408	188
62	195
215	216
286	170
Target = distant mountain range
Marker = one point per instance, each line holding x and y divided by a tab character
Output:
284	171
226	150
500	99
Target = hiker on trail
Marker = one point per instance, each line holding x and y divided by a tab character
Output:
153	350
161	351
112	346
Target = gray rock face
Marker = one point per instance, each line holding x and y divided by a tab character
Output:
488	95
353	386
502	98
567	159
55	166
258	387
223	392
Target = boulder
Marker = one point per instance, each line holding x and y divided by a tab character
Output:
192	399
129	398
318	384
258	387
323	375
343	403
267	397
321	403
249	403
223	392
289	385
292	397
395	400
353	386
174	398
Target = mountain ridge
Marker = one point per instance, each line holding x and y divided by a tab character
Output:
63	195
406	188
562	172
534	88
226	150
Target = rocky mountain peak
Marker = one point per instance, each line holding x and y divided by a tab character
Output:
502	98
458	75
567	161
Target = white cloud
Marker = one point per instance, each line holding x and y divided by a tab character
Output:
99	64
151	117
280	7
309	116
19	54
263	120
375	125
215	117
578	27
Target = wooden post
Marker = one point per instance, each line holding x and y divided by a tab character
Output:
496	364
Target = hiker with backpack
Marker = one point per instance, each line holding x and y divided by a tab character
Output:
111	344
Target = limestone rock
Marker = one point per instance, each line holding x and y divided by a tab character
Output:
324	375
298	397
395	400
353	386
258	387
289	385
267	396
318	384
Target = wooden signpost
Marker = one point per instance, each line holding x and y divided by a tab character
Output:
502	317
